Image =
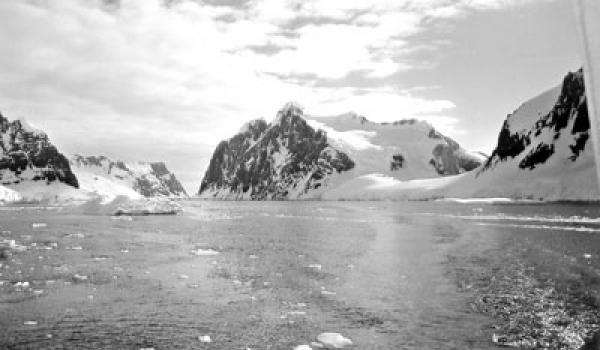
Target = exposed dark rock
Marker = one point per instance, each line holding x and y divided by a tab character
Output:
397	162
27	154
538	155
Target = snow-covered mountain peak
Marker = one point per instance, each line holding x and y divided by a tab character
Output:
26	154
289	112
110	178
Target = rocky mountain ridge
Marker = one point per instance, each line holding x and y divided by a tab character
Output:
26	154
281	160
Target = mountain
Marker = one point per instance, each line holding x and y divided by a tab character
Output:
26	154
543	151
282	160
404	150
300	156
544	148
109	178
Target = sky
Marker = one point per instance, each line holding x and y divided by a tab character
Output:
166	80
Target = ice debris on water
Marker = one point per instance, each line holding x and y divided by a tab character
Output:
75	235
315	266
39	225
205	339
80	278
303	347
334	340
204	252
30	323
184	277
21	286
326	292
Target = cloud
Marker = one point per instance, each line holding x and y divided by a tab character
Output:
148	78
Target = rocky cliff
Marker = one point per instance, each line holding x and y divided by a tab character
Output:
26	154
282	160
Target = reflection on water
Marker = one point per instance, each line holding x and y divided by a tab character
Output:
279	273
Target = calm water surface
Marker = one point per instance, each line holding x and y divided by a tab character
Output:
382	274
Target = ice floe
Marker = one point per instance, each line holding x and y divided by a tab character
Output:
303	347
205	339
204	252
334	340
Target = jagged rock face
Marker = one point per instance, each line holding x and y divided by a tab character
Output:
145	178
283	160
449	158
26	154
566	121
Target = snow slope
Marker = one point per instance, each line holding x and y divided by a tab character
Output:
110	179
425	152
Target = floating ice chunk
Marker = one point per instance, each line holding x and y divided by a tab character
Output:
146	206
334	340
30	323
39	225
204	252
315	344
303	347
80	278
124	250
75	235
325	292
75	247
205	339
21	286
184	277
315	266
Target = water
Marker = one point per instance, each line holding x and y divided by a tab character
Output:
386	275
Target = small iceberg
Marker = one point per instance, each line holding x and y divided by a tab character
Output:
148	206
317	267
205	339
204	252
334	340
303	347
